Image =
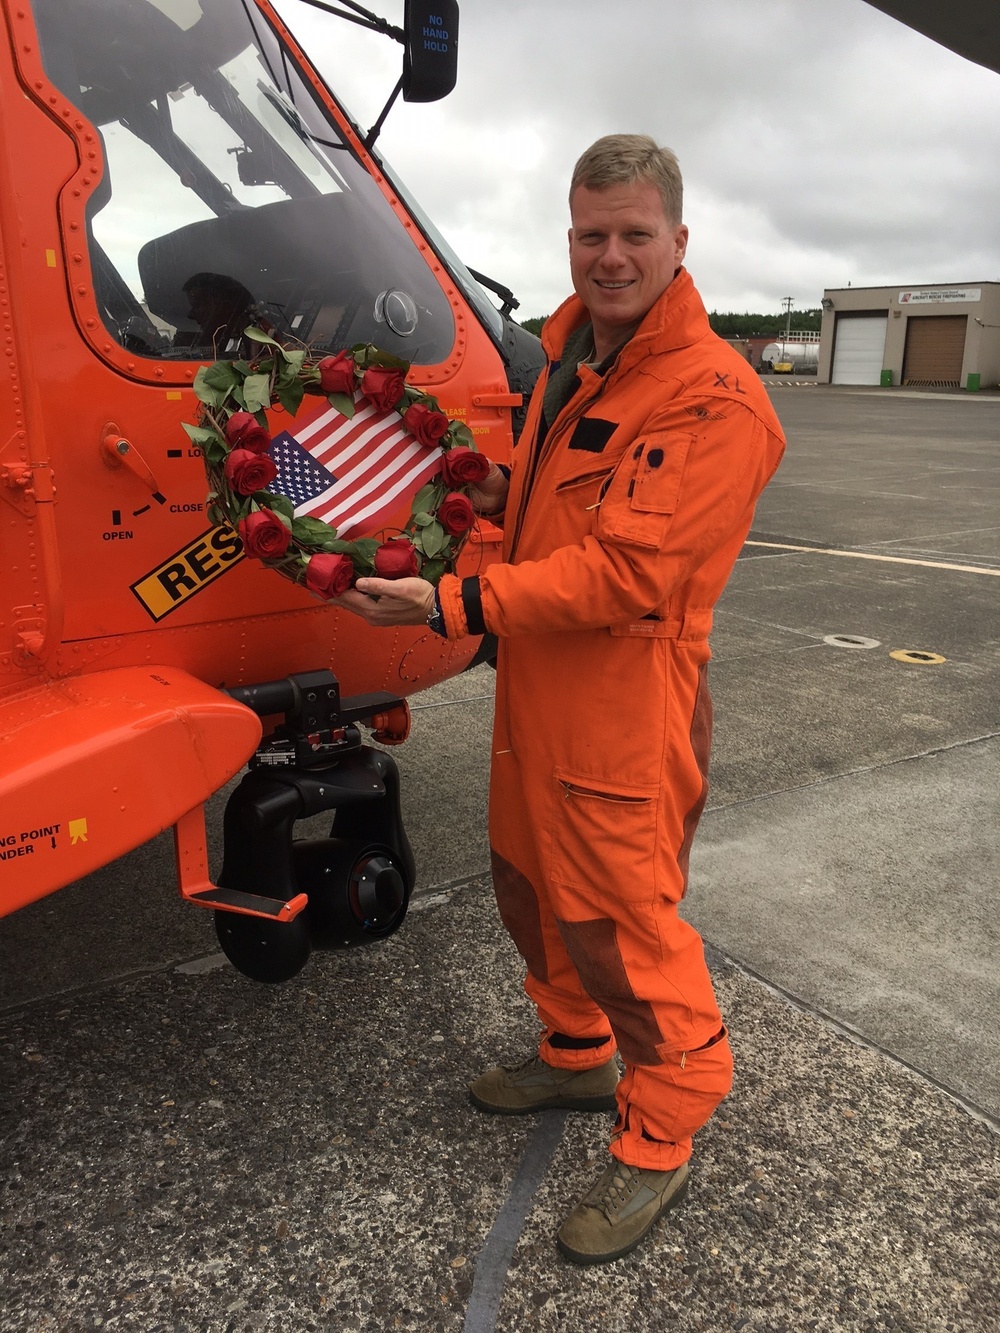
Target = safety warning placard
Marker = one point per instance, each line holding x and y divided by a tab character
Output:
189	570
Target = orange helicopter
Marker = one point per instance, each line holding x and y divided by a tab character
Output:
171	172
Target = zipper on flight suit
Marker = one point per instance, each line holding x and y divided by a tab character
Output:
544	448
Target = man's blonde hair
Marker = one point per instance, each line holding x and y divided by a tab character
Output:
623	159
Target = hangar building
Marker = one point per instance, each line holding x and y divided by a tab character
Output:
935	336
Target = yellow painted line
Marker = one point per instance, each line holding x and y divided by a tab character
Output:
50	258
884	559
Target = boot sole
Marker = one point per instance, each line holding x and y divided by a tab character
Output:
606	1102
578	1257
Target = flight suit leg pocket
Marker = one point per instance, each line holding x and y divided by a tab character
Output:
604	837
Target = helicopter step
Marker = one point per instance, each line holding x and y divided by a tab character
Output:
251	904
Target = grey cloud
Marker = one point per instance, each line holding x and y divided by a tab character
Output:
820	143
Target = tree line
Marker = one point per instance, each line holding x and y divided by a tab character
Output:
731	324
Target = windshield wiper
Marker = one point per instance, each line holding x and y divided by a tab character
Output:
510	301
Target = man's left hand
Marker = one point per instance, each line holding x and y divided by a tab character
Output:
389	601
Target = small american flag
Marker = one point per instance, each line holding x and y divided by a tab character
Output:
351	473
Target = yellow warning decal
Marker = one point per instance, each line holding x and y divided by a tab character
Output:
189	570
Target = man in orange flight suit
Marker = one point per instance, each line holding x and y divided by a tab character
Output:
632	490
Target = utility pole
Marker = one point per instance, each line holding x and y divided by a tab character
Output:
786	302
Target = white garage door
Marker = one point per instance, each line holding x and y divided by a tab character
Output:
858	350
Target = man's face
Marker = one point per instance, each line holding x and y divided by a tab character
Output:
623	254
202	305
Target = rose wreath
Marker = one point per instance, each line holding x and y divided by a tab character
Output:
234	440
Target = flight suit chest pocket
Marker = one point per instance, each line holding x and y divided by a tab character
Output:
644	492
586	489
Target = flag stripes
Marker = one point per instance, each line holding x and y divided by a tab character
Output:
351	473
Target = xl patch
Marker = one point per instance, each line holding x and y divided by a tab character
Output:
592	434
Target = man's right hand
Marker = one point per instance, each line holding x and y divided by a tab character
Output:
490	495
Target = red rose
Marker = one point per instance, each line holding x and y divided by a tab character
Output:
396	559
329	575
383	386
336	374
455	513
264	535
464	467
244	432
428	426
247	472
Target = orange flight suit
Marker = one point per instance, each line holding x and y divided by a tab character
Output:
621	529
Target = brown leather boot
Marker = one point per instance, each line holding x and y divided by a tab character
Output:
537	1086
621	1208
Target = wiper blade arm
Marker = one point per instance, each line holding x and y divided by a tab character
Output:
510	301
363	17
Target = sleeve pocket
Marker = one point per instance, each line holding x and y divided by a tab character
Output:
644	491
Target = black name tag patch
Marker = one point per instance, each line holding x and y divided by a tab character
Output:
592	434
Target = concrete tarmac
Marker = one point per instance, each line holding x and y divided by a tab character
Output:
185	1150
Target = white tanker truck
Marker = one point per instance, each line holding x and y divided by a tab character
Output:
790	357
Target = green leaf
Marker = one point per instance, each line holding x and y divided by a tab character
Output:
422	519
293	362
432	540
280	504
212	397
310	530
364	549
201	434
428	497
214	452
221	375
257	392
259	336
460	435
343	403
432	570
290	395
377	357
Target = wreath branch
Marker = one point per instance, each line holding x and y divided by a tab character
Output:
234	439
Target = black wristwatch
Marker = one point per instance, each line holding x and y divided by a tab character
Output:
435	620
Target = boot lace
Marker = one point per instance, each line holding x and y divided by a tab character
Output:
621	1184
525	1067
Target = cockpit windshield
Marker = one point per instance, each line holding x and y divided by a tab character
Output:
229	195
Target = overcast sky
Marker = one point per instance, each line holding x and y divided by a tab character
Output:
822	143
